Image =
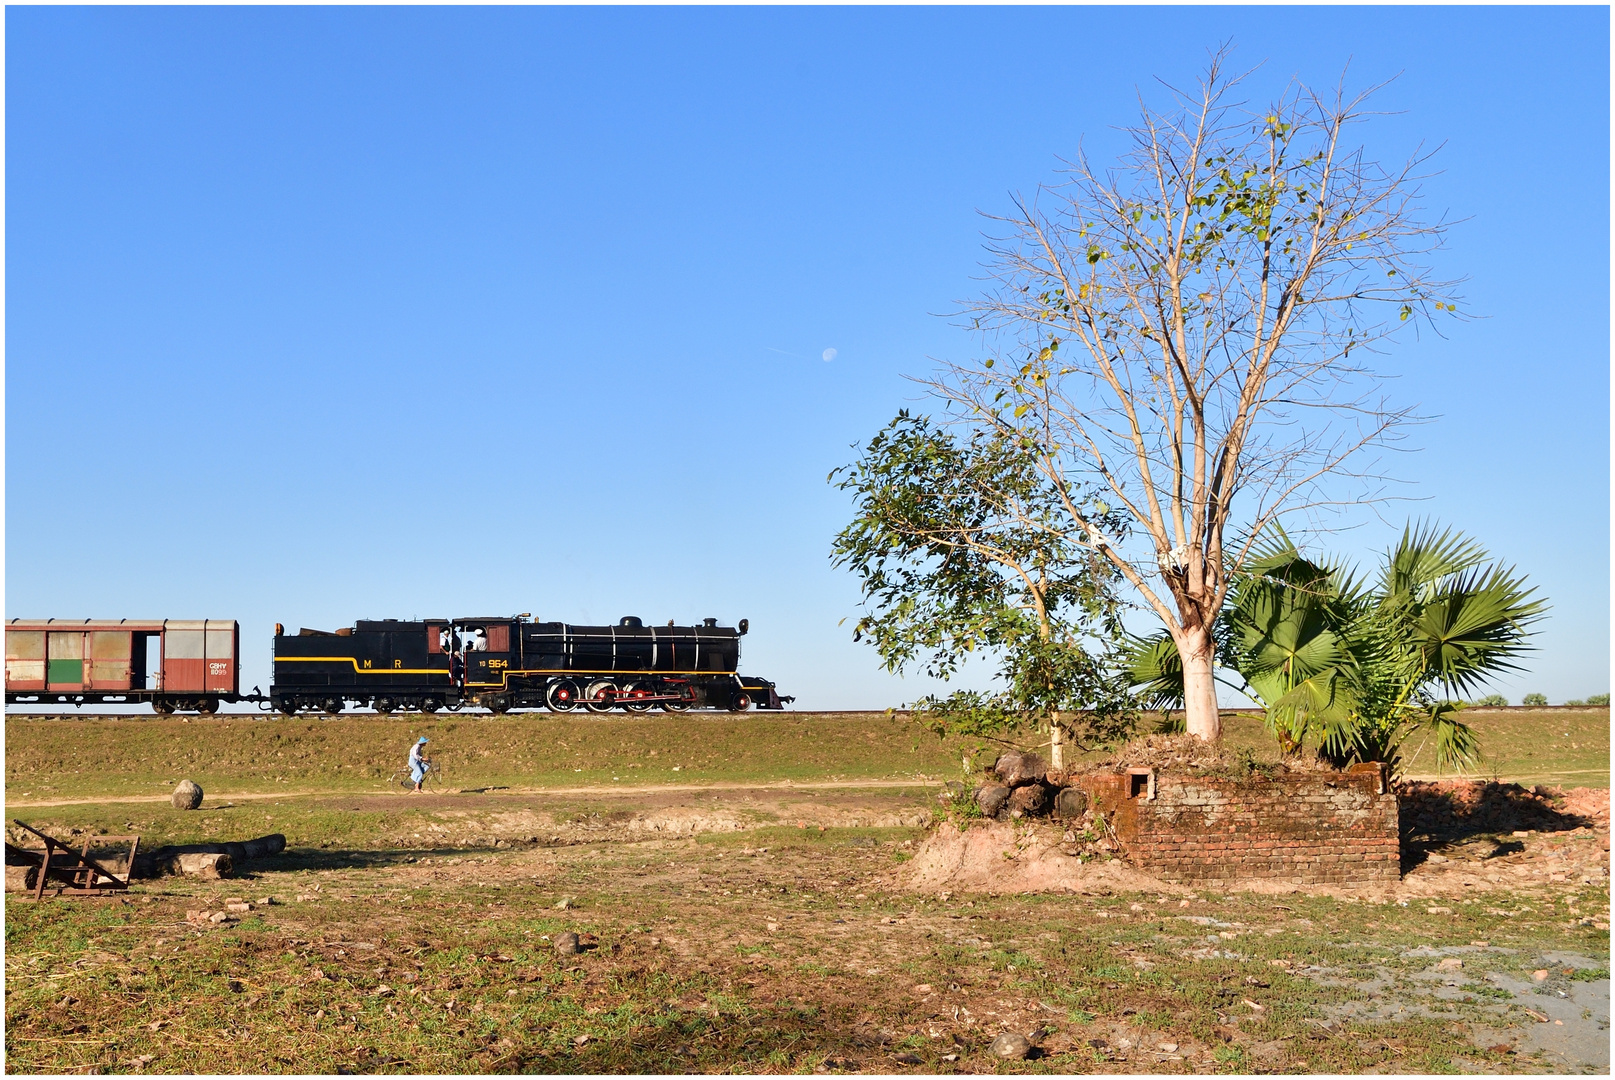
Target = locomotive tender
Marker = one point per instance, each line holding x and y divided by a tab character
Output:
510	662
499	663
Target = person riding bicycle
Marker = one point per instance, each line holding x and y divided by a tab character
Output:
418	763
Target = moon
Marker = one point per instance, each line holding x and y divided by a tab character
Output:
829	355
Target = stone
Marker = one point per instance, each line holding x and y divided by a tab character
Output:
187	796
1017	770
1031	800
1169	1048
1070	803
907	1058
567	944
1010	1045
1540	974
992	798
1451	963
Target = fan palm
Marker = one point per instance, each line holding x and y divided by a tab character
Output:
1356	670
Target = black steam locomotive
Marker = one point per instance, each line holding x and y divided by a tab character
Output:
510	662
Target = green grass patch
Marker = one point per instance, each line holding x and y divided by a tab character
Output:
73	757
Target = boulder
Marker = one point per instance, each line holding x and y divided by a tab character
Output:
992	798
188	796
1070	802
567	944
1031	800
1018	770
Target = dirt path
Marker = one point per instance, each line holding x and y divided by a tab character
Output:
614	789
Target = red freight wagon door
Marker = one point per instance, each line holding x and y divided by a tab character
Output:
25	659
109	659
64	660
221	656
184	655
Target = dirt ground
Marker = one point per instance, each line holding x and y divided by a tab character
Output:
772	931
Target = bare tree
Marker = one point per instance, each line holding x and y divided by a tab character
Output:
1186	330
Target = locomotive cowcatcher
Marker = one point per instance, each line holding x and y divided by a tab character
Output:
509	662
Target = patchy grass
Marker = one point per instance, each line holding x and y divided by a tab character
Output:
414	934
48	758
1561	747
83	757
1565	747
772	949
713	954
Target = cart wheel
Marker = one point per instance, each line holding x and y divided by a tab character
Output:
208	706
162	707
384	705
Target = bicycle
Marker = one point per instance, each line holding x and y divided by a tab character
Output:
431	781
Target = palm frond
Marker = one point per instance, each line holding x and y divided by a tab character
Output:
1424	556
1155	670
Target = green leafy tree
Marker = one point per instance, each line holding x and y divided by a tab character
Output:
1534	699
957	545
1357	669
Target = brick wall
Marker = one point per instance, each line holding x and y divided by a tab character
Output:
1313	828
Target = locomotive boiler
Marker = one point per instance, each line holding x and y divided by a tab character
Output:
511	662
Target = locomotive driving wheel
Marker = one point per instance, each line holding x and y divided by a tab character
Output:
684	703
562	695
633	695
601	696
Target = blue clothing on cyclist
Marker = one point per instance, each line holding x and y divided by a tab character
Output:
417	764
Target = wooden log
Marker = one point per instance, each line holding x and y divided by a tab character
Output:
178	858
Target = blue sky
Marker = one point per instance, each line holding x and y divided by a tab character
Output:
315	314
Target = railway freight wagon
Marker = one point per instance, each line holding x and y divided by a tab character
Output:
511	662
175	664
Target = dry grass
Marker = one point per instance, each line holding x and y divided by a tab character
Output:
760	930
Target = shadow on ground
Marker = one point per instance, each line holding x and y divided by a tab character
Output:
1435	814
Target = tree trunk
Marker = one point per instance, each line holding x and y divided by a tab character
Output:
1056	742
1197	651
